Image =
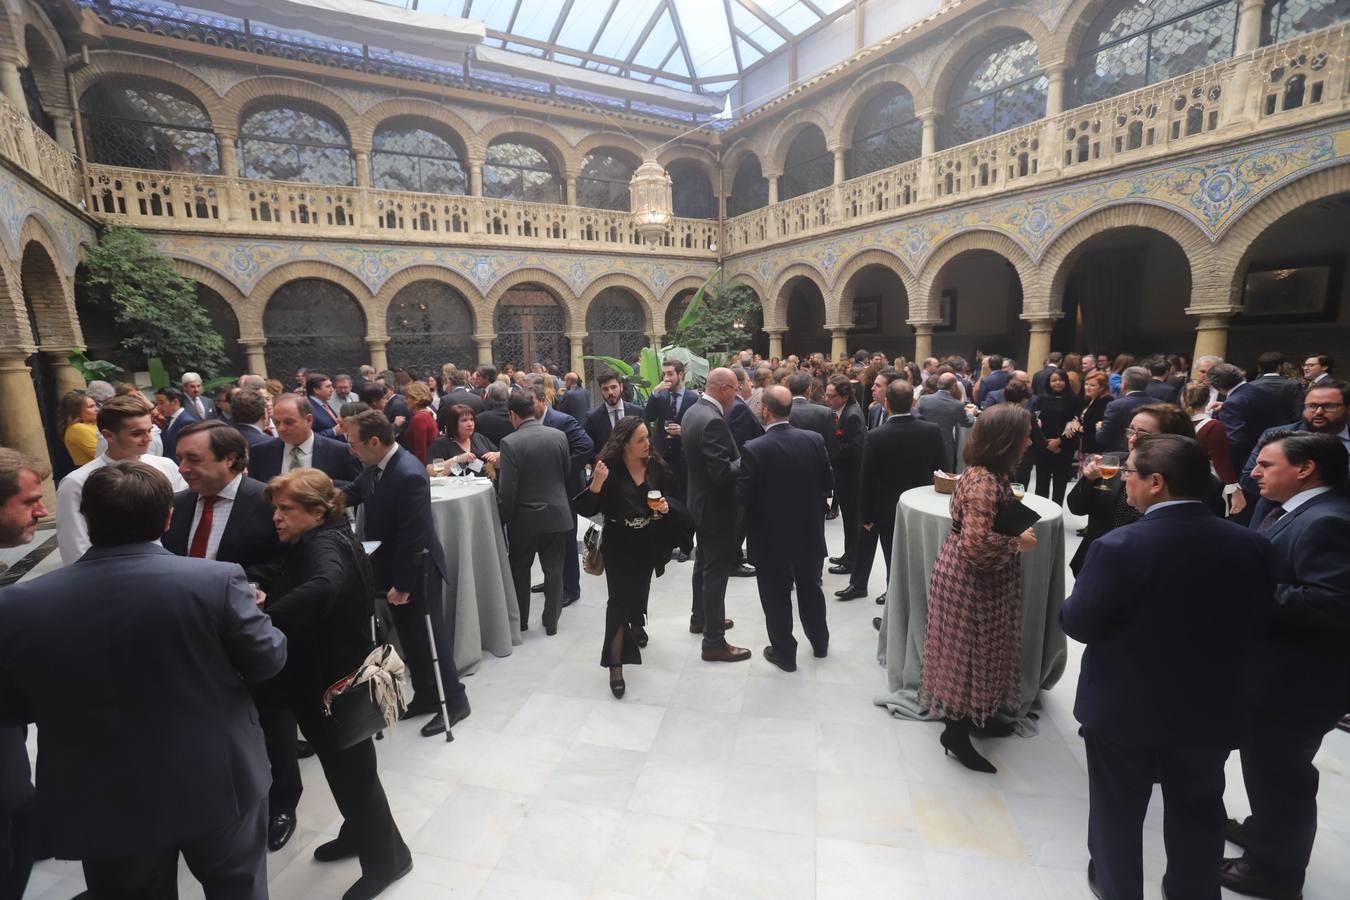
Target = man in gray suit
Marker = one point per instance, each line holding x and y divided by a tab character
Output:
131	772
532	493
945	410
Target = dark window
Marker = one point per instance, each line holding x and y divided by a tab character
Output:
749	189
614	327
316	324
146	127
604	180
408	157
429	325
693	191
998	89
1285	19
282	143
516	171
224	321
808	166
886	133
530	329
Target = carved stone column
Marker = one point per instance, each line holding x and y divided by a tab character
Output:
253	350
840	165
475	179
923	340
1055	75
1211	332
64	126
929	119
66	376
11	86
838	342
1249	26
571	189
773	186
575	339
363	168
19	415
229	155
378	357
1038	347
484	342
775	344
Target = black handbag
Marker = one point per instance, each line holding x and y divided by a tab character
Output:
351	711
592	557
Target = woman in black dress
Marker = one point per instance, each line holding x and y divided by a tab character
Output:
637	539
1055	409
462	444
322	603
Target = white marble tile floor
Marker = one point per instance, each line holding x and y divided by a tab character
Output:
728	782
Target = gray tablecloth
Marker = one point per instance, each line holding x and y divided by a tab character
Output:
922	521
478	577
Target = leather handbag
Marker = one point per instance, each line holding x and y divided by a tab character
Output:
592	557
355	708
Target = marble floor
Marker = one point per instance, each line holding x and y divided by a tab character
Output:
729	782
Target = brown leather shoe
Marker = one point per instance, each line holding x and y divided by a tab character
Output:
697	627
725	653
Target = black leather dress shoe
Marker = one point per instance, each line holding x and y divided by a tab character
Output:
1234	833
881	601
851	593
743	571
568	601
537	588
1243	877
841	570
279	830
550	630
303	749
434	726
782	662
836	560
334	850
821	652
370	886
876	622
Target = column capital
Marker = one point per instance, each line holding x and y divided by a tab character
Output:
1248	5
12	358
1059	68
377	342
226	134
927	113
1212	316
250	343
921	326
837	330
484	338
1041	321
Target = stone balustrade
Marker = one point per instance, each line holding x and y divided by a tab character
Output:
1267	90
30	148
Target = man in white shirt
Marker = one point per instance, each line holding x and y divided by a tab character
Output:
124	423
298	446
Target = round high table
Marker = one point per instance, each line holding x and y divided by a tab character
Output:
469	527
922	522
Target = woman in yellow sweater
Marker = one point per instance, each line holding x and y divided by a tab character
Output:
77	417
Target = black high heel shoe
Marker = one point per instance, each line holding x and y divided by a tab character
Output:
994	728
955	741
616	685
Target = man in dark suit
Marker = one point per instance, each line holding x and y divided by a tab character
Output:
394	407
945	410
224	516
1298	690
783	484
1111	435
576	400
1326	410
1271	378
744	425
536	506
1248	408
1040	382
876	411
899	455
396	495
319	390
1168	648
169	405
300	447
456	394
665	413
850	429
1159	387
133	772
613	408
581	451
494	422
250	417
997	379
194	401
1317	369
812	416
710	459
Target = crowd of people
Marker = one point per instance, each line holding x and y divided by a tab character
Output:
240	512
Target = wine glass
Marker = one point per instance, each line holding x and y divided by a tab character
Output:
1109	466
654	501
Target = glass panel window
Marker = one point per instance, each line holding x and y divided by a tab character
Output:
1285	19
516	171
886	134
314	323
693	191
429	324
604	181
287	144
408	157
749	189
999	89
809	166
1192	43
148	128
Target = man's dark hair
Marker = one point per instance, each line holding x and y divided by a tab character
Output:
674	364
1270	361
1055	357
222	390
225	439
371	393
1016	392
302	405
843	387
371	424
172	394
995	362
1182	462
113	415
314	381
522	402
799	383
1331	384
888	374
1224	376
899	396
1158	366
127	503
1323	360
248	407
1325	451
487	373
606	377
352	408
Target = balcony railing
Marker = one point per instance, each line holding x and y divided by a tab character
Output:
1271	88
178	201
26	145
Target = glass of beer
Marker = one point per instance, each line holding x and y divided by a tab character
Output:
438	466
1019	490
1109	466
654	501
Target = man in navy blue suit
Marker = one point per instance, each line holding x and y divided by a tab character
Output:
1168	648
601	420
299	446
169	404
1248	409
1325	411
665	410
784	484
1302	675
250	417
996	380
319	390
397	496
1111	437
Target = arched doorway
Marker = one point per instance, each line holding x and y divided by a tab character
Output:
531	328
1126	292
675	310
806	332
44	301
877	305
226	324
615	326
430	324
312	323
978	297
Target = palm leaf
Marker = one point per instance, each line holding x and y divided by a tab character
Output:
691	312
618	366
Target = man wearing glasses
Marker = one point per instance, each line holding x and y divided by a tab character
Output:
1324	412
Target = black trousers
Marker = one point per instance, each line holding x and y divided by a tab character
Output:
716	556
410	620
1120	783
278	728
367	823
775	596
230	862
551	548
572	562
846	490
1281	780
1056	473
18	819
867	552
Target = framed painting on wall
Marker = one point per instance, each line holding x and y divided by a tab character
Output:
1305	292
867	314
946	311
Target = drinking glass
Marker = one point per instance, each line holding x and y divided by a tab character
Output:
438	466
1019	490
654	501
1109	466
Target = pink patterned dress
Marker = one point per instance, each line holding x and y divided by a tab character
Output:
972	646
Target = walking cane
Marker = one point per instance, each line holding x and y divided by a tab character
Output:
375	642
428	573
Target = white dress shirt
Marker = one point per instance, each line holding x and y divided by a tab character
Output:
1303	497
615	414
72	532
156	443
1166	503
220	516
306	455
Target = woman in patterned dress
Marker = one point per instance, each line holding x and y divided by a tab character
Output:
971	650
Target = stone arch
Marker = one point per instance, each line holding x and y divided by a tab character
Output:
775	300
705	159
1233	250
482	312
15	332
561	291
735	156
1077	19
924	304
48	292
48	62
248	310
284	274
364	129
675	289
598	140
627	282
106	65
978	34
787	131
549	139
245	96
852	101
839	302
1057	262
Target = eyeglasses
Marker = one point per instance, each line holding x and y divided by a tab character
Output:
1127	470
1329	407
1131	431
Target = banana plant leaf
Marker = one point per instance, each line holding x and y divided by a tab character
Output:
615	364
158	376
696	368
94	369
691	311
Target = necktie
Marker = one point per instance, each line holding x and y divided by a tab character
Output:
296	461
270	430
1271	518
614	414
201	410
203	533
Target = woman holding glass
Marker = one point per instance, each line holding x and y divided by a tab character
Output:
321	602
459	449
642	527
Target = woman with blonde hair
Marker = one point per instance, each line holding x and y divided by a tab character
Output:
422	428
76	418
